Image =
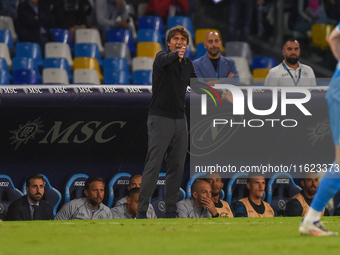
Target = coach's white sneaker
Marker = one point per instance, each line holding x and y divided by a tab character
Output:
315	229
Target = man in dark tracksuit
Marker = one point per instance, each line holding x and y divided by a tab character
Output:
167	125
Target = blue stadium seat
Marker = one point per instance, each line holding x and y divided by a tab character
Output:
122	35
61	63
193	179
52	196
118	188
150	35
142	77
200	50
183	21
5	77
63	36
75	186
281	187
6	37
120	77
116	71
152	22
157	199
8	194
237	187
89	50
112	64
263	62
30	50
19	63
26	76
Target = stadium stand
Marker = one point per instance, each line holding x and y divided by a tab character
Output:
59	50
150	35
239	49
118	50
6	37
142	77
86	76
24	63
87	63
89	50
182	21
4	53
55	76
142	63
26	76
263	62
5	77
30	50
148	49
6	22
119	77
152	22
124	36
63	36
60	63
89	35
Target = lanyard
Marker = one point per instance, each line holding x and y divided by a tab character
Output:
295	82
218	68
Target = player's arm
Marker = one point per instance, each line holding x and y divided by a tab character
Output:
182	210
334	42
239	209
14	214
65	212
293	208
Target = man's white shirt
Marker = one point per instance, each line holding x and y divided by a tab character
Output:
283	75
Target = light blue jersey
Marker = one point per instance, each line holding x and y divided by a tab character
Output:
334	85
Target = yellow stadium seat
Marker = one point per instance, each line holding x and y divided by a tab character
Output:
260	72
148	49
201	33
88	63
320	34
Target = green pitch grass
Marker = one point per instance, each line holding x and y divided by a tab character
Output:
166	236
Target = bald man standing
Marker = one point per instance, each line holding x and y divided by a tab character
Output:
213	64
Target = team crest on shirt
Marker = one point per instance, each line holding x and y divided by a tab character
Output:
304	74
224	215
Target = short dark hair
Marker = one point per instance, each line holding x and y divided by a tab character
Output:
33	176
254	175
177	29
133	191
93	179
291	39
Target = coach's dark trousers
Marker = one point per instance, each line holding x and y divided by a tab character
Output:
166	137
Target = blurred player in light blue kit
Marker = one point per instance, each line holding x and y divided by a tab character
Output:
330	183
